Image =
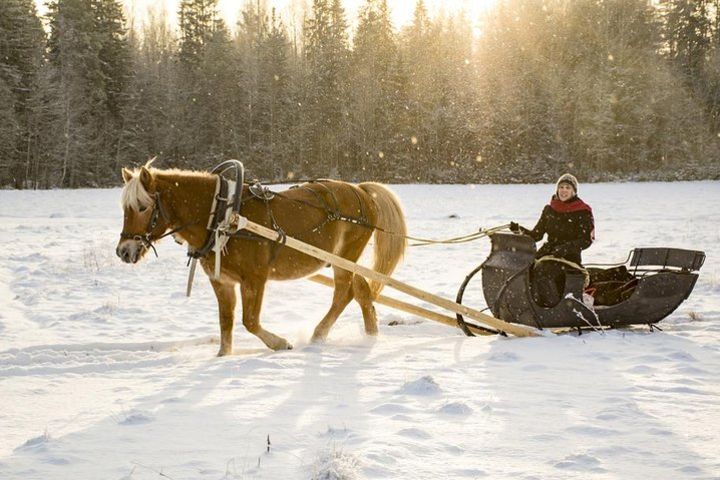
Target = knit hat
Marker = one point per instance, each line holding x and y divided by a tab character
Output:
568	179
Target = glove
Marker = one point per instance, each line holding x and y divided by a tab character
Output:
514	227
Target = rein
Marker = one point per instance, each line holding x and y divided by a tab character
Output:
335	214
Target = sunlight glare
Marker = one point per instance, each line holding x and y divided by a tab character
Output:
292	10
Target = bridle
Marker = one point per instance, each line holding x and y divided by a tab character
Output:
147	238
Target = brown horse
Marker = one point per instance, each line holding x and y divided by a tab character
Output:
155	201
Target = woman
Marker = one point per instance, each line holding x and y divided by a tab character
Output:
567	221
569	225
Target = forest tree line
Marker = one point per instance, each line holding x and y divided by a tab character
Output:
607	89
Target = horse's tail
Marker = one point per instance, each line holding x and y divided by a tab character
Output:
390	241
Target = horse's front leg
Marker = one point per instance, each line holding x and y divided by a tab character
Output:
227	299
252	290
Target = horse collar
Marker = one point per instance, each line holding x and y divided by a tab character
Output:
225	216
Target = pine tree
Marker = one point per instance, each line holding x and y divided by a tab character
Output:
9	133
518	127
417	54
22	41
150	118
78	92
200	25
252	27
115	58
277	102
372	90
88	74
198	21
326	50
688	32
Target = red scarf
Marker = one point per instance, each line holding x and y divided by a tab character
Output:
573	205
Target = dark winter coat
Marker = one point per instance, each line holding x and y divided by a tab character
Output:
570	228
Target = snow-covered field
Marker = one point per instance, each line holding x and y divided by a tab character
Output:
108	372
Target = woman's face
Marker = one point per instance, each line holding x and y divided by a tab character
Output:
565	192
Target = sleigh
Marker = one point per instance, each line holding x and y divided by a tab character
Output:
645	289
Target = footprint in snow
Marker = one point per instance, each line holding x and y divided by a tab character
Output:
469	473
504	357
36	442
456	409
682	356
136	418
641	369
258	363
390	409
424	386
591	430
692	469
416	433
337	433
582	462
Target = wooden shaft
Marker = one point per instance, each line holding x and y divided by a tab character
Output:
406	307
518	330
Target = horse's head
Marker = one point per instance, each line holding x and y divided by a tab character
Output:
144	219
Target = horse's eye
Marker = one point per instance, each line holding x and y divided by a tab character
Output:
142	209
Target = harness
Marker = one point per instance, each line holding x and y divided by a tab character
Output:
225	219
333	212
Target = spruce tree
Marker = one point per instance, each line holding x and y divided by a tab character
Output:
78	93
324	103
22	41
372	87
200	25
276	97
149	118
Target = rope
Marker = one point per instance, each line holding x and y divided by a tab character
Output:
456	240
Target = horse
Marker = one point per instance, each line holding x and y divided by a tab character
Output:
336	216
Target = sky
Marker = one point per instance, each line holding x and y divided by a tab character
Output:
401	10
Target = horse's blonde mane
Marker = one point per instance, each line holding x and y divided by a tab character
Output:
134	194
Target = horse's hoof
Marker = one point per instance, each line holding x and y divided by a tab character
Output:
282	346
224	353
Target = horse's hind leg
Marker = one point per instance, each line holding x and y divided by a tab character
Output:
341	297
252	290
361	292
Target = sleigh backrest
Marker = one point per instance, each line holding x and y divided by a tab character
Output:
667	258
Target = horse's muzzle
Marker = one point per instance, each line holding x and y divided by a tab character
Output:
130	251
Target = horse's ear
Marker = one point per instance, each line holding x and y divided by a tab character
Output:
147	180
126	175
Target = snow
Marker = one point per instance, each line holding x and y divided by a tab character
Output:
108	372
